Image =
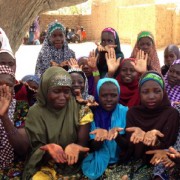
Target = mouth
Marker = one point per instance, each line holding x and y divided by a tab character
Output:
151	104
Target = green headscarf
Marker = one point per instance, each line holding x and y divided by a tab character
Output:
145	34
45	125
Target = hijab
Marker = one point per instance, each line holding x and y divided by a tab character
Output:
50	53
173	92
129	92
163	118
4	40
45	124
102	117
153	60
6	150
103	67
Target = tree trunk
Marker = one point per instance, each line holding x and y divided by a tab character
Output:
16	16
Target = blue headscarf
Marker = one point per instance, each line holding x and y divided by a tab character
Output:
34	78
102	117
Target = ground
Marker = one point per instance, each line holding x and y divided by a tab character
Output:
27	55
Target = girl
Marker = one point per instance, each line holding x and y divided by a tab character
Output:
109	39
12	116
145	42
145	124
55	48
171	53
172	81
109	119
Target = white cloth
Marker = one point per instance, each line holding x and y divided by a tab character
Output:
5	41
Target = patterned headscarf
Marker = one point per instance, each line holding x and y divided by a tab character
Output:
85	94
6	150
173	92
34	78
153	60
50	53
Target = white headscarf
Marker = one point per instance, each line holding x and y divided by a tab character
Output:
4	40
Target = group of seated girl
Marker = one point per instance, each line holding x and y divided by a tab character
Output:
120	127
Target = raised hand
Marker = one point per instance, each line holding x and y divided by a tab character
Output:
91	103
151	137
72	152
73	63
111	61
100	48
174	155
159	156
140	63
109	47
5	99
137	134
56	152
100	134
53	63
112	133
92	60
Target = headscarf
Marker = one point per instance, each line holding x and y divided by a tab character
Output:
34	78
103	67
173	92
129	92
7	51
45	125
4	40
163	118
102	117
85	94
6	150
153	60
50	53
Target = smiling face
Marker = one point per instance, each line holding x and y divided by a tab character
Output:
151	94
77	83
127	72
57	38
7	59
58	97
145	44
8	80
174	75
107	38
108	96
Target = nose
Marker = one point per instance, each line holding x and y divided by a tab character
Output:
151	95
128	72
61	96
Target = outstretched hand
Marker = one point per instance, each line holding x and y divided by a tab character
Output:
112	133
137	134
100	134
92	60
5	99
72	152
56	152
151	137
140	63
112	63
101	48
74	64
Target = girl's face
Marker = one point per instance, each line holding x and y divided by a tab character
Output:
6	59
85	67
58	97
57	38
107	38
145	44
8	80
108	96
127	72
77	83
169	57
174	75
151	94
33	84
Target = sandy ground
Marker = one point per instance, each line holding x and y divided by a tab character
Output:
27	55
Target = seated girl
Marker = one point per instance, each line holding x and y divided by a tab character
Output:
151	125
145	42
12	116
108	124
172	82
26	89
109	39
171	53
